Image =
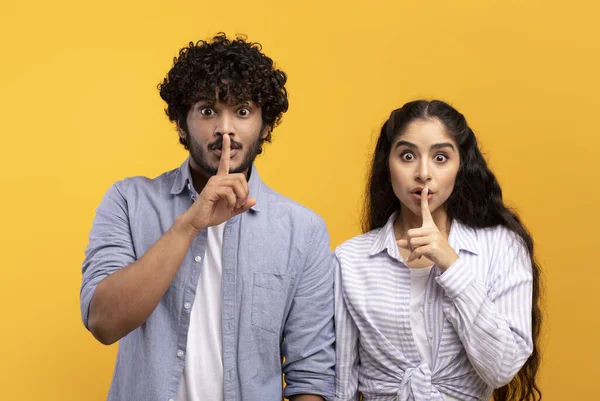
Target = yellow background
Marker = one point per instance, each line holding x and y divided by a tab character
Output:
79	110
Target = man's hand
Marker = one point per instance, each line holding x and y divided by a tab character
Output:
224	195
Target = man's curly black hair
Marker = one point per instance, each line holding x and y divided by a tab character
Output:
235	70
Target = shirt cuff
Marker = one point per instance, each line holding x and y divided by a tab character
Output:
456	278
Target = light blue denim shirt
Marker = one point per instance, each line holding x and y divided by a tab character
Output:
277	283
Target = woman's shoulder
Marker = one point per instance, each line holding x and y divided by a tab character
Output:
498	234
490	240
360	244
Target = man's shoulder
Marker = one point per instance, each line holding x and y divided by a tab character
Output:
280	206
138	183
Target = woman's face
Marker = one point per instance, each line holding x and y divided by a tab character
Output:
425	155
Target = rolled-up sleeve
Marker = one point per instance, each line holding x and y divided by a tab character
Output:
110	245
309	331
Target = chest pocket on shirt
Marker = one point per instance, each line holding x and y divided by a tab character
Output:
268	299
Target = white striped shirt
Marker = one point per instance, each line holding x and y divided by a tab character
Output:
477	314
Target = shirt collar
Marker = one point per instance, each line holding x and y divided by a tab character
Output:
385	239
183	177
461	237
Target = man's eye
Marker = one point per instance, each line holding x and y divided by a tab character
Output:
243	112
206	111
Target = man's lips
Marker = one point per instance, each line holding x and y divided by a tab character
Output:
217	152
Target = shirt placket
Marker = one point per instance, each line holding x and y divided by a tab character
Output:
193	259
230	241
434	315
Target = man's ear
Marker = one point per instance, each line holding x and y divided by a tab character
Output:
180	131
266	132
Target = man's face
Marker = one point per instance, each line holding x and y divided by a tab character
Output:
208	122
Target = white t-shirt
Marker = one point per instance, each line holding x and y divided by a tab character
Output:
418	283
202	378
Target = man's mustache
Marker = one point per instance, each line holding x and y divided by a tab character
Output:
218	144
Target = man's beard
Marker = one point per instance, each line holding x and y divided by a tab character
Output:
199	154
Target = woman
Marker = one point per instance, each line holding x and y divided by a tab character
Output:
438	300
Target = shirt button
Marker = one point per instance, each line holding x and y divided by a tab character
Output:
430	300
198	259
187	305
180	353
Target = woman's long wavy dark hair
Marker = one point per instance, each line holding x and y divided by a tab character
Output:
476	201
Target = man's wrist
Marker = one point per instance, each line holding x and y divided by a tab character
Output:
183	226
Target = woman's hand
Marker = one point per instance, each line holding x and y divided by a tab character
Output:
428	241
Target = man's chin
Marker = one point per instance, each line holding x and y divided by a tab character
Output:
235	169
238	169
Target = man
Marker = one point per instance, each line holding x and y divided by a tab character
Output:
205	275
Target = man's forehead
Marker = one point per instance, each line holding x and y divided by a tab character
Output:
229	101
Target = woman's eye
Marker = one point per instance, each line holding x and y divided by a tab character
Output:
407	157
206	111
441	158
